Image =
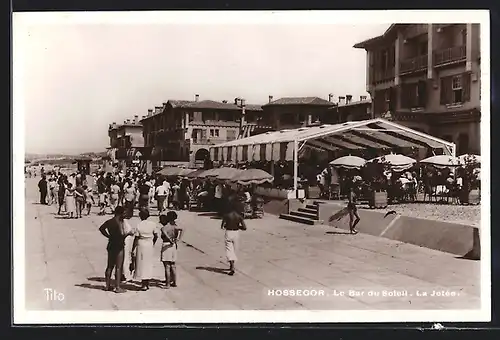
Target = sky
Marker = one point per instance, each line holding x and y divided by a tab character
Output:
78	78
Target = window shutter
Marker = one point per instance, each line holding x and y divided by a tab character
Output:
466	87
446	92
422	93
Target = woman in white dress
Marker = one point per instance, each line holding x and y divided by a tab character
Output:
69	201
128	263
146	236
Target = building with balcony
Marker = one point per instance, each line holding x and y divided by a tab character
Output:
295	112
126	142
183	130
427	76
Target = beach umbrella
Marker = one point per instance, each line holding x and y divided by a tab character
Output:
396	162
467	158
227	173
195	174
170	171
208	173
349	162
441	161
253	176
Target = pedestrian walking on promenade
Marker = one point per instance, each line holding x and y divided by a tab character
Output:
232	223
129	196
52	186
175	190
89	198
42	187
80	200
161	196
145	238
61	194
69	201
143	194
114	195
128	256
114	230
170	234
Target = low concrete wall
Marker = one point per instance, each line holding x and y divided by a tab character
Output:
454	238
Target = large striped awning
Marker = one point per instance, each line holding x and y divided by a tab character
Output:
369	134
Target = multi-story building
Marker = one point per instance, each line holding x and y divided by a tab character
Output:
347	110
126	142
294	112
427	77
182	130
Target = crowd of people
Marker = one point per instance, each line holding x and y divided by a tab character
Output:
130	247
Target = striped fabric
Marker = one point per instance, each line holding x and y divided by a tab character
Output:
370	134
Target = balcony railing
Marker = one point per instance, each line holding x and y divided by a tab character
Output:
450	55
383	75
413	64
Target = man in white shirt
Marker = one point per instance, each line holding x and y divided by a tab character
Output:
162	197
218	198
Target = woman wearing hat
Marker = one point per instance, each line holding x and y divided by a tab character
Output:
170	234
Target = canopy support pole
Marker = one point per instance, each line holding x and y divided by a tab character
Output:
295	168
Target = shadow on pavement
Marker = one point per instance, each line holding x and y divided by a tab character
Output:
338	233
214	270
127	286
208	214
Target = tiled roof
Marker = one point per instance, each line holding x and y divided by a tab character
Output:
370	41
359	102
211	104
300	101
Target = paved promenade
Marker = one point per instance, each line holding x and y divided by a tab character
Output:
344	271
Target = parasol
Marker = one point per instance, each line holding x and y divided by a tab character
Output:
396	162
253	176
349	162
441	161
196	173
227	173
170	171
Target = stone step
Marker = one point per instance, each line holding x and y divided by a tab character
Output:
312	207
304	214
298	219
307	210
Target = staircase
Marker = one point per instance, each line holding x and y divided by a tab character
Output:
307	215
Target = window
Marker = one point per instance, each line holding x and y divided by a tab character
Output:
191	116
216	133
212	133
414	95
455	89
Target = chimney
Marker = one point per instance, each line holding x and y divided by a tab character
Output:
224	101
128	121
196	97
362	98
242	101
136	119
237	101
270	98
348	98
341	100
330	97
144	117
150	112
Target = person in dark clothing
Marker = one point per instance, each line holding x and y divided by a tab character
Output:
232	223
113	229
42	187
352	209
143	195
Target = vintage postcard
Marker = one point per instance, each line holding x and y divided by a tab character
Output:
224	167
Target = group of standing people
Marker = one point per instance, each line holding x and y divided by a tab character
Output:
71	193
131	248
